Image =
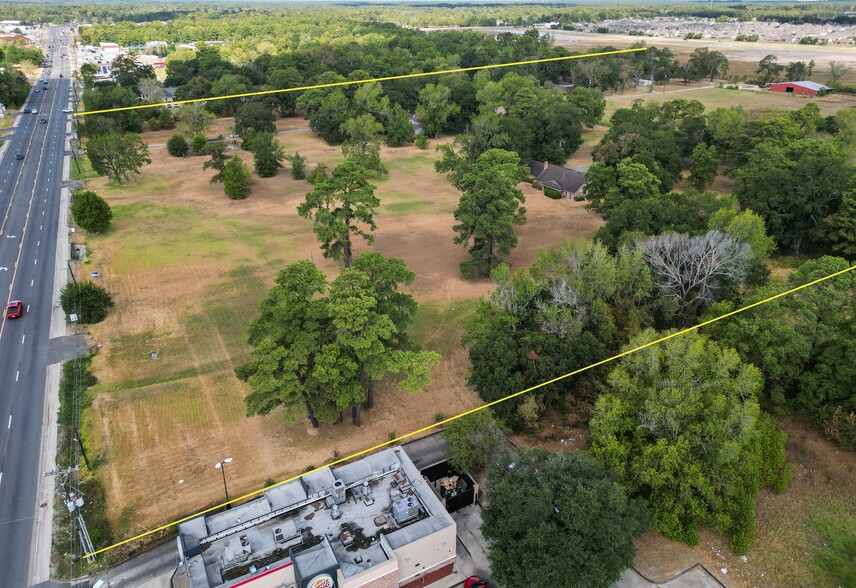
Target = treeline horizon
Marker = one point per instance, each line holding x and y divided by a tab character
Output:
453	13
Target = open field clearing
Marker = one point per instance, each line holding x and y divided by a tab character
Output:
713	98
187	268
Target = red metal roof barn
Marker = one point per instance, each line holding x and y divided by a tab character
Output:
811	88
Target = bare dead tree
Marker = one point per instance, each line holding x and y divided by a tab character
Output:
693	270
507	297
836	70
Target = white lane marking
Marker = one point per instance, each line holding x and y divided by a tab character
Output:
18	373
24	338
31	283
37	261
10	422
28	308
1	477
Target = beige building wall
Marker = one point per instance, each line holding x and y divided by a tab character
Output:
383	575
426	554
277	579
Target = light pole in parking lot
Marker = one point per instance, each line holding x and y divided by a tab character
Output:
221	465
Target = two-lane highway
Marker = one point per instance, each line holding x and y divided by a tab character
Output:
29	205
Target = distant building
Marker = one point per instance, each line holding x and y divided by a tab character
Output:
13	37
810	88
372	523
564	180
153	60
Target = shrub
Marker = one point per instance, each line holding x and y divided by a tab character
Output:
298	166
551	193
89	300
177	146
236	179
422	140
318	174
154	123
91	212
199	144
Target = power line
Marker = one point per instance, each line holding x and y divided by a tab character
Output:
368	81
484	406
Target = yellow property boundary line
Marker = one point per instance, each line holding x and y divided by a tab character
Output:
482	407
368	81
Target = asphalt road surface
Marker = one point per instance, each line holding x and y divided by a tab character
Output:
29	209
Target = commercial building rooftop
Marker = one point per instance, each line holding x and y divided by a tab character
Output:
344	520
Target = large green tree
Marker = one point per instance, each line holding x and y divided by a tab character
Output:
558	520
91	212
607	187
795	188
337	205
474	441
89	301
703	170
679	425
435	108
362	142
254	117
268	154
317	345
118	156
490	206
236	178
194	119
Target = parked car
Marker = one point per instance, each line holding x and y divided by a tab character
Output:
14	309
67	110
475	582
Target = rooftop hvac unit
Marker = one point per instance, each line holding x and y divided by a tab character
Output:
405	509
339	492
278	535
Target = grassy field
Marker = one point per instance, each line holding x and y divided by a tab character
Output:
713	98
187	268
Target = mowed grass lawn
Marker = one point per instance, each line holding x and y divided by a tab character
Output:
713	98
188	267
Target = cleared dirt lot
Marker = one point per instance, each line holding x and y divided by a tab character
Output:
187	268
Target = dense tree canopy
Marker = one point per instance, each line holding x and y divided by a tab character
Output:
680	426
118	156
317	346
805	345
575	305
558	520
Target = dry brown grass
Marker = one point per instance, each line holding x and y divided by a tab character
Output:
187	268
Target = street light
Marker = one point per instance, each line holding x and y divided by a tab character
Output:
221	465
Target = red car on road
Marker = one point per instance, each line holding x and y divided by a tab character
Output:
14	309
475	582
